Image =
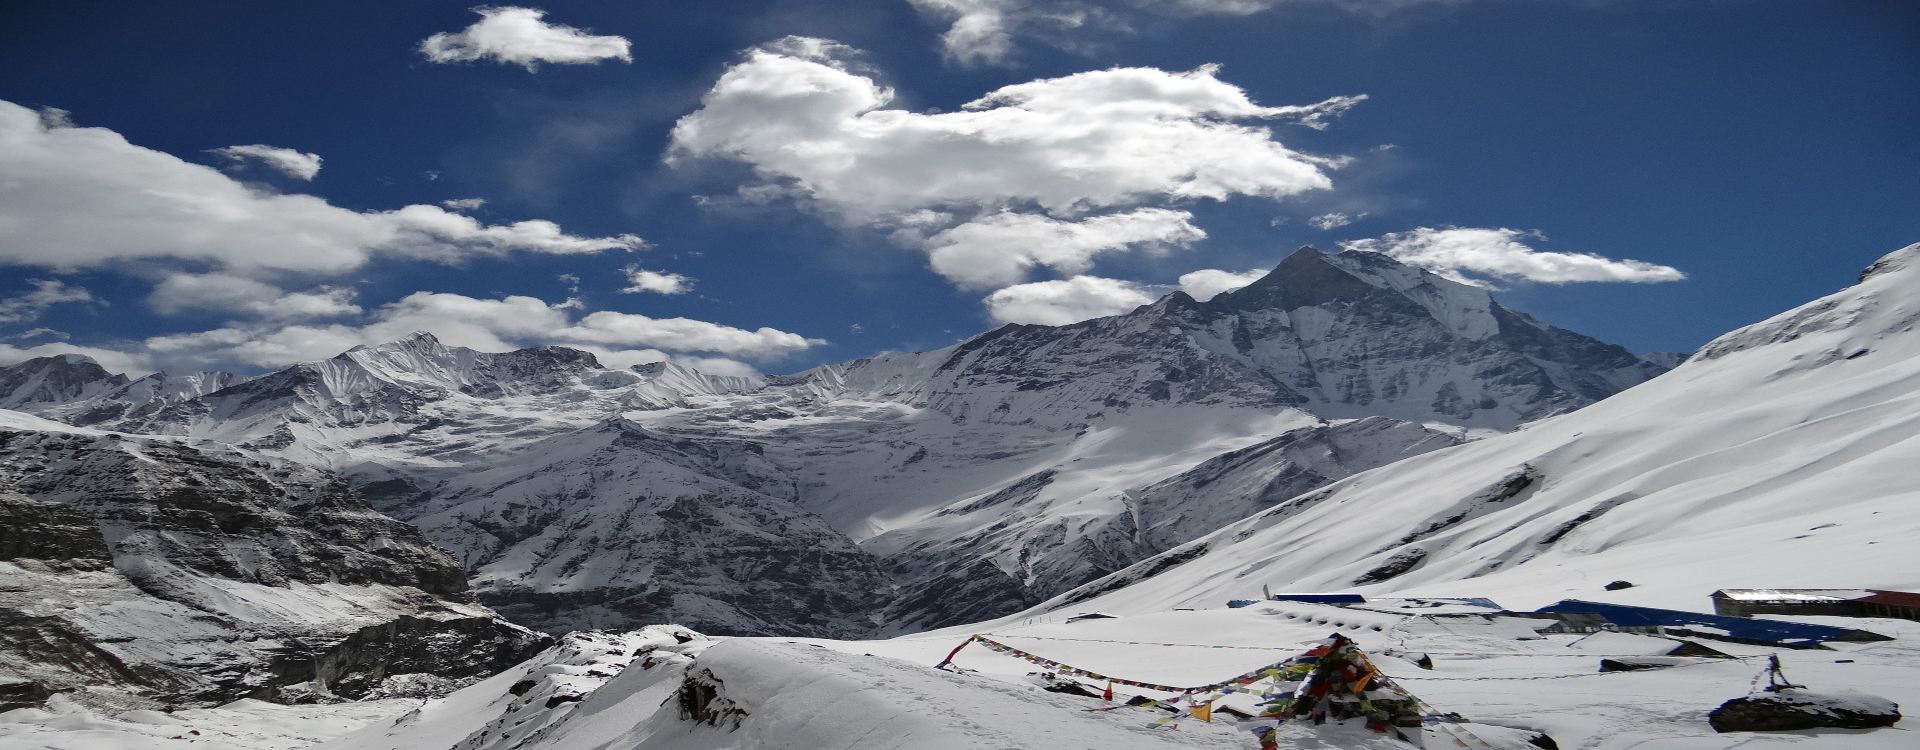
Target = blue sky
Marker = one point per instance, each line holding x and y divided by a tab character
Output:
1762	150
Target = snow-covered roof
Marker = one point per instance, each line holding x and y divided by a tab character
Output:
1800	596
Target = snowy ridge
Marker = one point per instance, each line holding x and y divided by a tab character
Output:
1774	458
59	379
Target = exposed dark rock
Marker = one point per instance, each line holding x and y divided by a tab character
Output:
33	530
701	698
1398	564
1792	709
194	577
1618	585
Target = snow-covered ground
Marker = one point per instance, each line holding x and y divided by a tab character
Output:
1508	681
1779	456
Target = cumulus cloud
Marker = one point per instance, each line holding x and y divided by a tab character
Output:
44	294
519	36
1063	301
78	197
295	164
464	204
217	291
798	113
131	363
1207	283
1334	220
1482	256
998	250
642	281
1048	173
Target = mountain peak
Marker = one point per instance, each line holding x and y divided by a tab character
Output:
1305	278
1898	260
1302	253
416	341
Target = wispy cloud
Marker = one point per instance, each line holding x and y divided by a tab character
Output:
1485	256
1335	220
45	293
296	164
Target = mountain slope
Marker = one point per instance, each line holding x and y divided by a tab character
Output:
613	526
142	570
1777	456
59	379
1012	466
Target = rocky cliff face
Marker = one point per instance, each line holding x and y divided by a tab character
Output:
141	570
614	526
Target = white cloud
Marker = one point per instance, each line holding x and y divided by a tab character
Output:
464	204
217	291
45	293
77	197
1334	220
519	36
486	324
37	333
682	334
1250	7
1207	283
1008	182
998	250
296	164
641	281
1101	139
1467	254
132	363
982	32
1064	301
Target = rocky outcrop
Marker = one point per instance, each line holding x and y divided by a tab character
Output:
141	571
1792	708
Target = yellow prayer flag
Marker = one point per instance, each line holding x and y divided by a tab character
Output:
1204	712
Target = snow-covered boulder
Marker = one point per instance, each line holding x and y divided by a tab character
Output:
1794	708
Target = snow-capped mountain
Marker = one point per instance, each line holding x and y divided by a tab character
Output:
55	380
78	391
1009	468
1341	336
1779	455
142	571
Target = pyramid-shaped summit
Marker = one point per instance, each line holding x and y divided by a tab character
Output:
1344	335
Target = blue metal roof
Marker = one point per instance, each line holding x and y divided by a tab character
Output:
1741	628
1319	598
